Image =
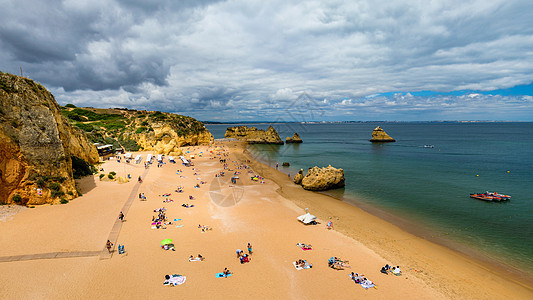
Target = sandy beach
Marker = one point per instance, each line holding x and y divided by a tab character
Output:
57	251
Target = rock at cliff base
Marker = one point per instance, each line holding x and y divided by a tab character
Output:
285	164
298	177
294	140
380	136
252	135
321	179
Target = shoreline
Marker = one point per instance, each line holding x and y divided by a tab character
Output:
467	254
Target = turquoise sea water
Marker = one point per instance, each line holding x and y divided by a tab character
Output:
428	186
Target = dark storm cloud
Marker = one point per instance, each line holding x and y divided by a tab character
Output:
216	59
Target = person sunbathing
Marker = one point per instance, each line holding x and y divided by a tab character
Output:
396	271
226	272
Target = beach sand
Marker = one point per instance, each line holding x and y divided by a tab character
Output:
262	214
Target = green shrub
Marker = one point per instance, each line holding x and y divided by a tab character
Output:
113	173
54	186
63	201
70	105
141	129
110	176
56	194
102	176
85	127
70	193
41	182
130	145
16	198
144	123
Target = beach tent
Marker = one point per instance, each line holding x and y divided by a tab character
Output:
160	158
149	157
127	156
138	159
307	218
171	159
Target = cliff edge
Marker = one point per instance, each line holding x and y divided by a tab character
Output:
39	150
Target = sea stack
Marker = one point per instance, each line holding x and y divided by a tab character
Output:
252	135
294	140
380	136
321	179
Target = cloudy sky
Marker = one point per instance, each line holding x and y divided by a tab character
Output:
279	60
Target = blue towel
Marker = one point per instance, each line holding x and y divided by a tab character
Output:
175	220
221	275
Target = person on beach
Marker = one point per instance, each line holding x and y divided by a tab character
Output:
239	252
108	245
226	272
249	248
140	180
330	225
121	216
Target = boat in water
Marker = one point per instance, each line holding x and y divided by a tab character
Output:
490	196
429	146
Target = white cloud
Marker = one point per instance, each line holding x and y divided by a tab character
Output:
207	58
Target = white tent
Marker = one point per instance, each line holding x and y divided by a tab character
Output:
307	218
171	159
127	155
138	159
149	157
160	158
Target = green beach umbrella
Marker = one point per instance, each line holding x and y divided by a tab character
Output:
166	242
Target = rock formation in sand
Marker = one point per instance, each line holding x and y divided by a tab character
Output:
299	176
39	149
321	179
295	139
380	136
252	135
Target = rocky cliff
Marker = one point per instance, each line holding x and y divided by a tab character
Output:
163	133
253	135
295	139
321	179
379	135
37	145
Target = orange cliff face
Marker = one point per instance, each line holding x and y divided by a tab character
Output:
380	136
36	145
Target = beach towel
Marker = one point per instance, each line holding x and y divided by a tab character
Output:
304	247
178	226
307	266
195	259
221	275
175	280
367	285
397	274
154	227
176	220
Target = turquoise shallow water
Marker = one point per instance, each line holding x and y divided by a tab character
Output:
429	186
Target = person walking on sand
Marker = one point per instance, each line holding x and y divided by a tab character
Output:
249	248
121	217
330	225
108	245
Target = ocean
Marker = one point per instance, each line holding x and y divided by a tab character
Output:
428	187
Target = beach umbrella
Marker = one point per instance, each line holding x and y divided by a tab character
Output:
166	242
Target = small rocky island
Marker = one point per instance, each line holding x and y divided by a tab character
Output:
252	135
320	179
295	139
380	136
